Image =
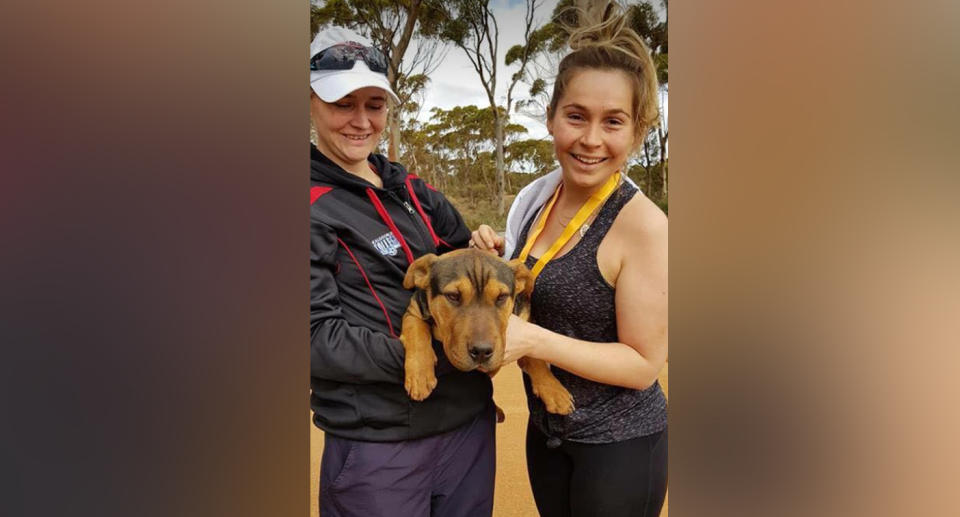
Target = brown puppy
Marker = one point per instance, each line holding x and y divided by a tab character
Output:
464	299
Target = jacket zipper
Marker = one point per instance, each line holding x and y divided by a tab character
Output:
414	217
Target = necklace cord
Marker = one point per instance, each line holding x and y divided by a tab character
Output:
586	209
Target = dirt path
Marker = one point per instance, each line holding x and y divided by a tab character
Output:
512	493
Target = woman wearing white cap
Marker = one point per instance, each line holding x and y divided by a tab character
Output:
384	454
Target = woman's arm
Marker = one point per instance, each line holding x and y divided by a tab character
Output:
641	304
340	351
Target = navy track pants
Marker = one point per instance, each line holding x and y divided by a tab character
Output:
447	475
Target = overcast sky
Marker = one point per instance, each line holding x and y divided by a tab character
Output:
456	83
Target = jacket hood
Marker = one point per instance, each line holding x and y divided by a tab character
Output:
324	170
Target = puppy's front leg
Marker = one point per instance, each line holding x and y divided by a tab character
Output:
557	399
420	360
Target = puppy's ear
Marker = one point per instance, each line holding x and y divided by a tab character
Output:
522	279
418	274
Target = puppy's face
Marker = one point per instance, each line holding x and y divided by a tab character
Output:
470	295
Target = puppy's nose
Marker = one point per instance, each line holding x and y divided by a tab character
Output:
480	352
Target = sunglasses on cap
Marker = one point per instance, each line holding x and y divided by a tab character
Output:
344	55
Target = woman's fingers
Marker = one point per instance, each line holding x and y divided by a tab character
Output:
488	235
484	238
492	240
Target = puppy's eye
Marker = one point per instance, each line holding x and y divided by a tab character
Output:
454	298
502	299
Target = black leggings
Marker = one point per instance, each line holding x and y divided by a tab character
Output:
626	478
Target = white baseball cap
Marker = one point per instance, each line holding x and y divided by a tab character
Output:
333	85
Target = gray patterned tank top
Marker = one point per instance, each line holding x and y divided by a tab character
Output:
572	298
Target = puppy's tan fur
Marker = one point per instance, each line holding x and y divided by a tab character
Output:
464	299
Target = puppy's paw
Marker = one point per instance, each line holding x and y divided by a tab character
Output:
419	375
555	397
420	385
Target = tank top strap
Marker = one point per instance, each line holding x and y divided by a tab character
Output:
608	213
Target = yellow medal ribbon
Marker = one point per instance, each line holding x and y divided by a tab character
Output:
583	214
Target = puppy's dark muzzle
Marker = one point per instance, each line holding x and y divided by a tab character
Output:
480	352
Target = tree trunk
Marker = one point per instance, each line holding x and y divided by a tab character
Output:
398	50
416	169
663	159
663	169
501	206
393	151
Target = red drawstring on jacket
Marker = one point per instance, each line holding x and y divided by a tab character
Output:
389	222
423	215
363	273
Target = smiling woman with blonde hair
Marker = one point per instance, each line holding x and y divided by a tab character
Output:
598	249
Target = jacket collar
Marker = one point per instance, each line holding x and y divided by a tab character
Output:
323	169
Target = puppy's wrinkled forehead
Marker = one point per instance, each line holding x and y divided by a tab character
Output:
479	270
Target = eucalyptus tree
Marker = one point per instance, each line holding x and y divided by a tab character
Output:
531	157
462	138
646	21
472	27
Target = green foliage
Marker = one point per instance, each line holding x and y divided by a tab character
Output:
460	17
410	85
455	152
551	37
431	22
513	54
457	144
465	129
650	180
660	60
538	87
645	22
455	30
531	156
337	12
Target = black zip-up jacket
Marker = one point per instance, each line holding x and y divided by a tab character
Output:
357	300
